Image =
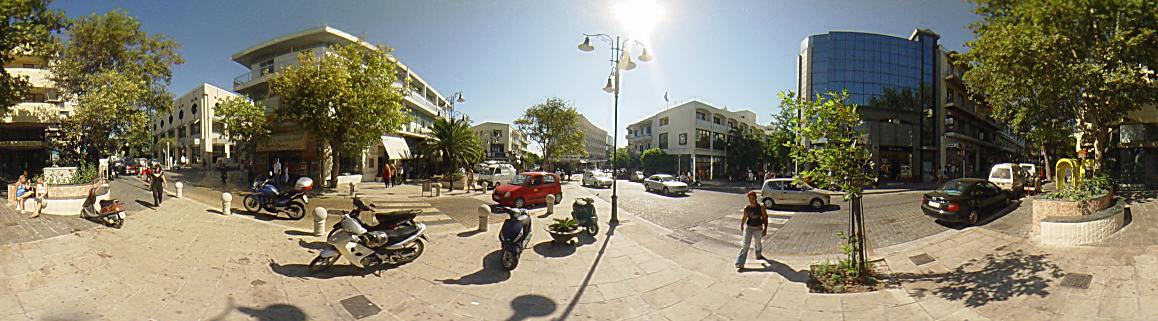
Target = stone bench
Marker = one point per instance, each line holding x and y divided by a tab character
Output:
1084	229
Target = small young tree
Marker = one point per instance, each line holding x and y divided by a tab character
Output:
245	123
554	125
837	158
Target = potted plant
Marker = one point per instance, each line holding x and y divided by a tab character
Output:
563	230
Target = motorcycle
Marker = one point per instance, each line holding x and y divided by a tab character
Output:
583	211
110	213
688	180
385	221
514	236
365	248
265	195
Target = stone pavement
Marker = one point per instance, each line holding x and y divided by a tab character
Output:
183	262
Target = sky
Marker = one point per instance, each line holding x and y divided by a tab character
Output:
505	56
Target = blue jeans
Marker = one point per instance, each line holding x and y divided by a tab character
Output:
751	233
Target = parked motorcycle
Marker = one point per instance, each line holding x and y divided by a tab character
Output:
365	248
110	213
265	195
583	211
688	180
384	221
514	236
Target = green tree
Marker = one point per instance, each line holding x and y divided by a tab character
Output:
655	160
26	29
624	158
347	97
455	143
245	122
554	125
840	162
118	75
1090	62
780	139
747	150
531	158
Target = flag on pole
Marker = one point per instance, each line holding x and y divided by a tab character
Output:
665	97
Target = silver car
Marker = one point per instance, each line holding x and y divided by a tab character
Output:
596	179
782	191
666	183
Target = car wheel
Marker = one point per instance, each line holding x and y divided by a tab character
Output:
768	202
520	203
666	191
973	217
816	204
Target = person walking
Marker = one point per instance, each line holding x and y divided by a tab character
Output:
754	224
387	175
276	170
469	180
157	185
399	175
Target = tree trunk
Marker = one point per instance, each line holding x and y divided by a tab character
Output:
335	152
1048	165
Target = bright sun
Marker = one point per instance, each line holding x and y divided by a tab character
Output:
639	16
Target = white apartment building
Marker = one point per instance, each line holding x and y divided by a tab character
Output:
305	153
695	131
192	129
501	141
595	142
27	129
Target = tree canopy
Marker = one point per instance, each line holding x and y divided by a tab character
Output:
26	29
348	97
245	122
456	142
554	125
1088	62
655	160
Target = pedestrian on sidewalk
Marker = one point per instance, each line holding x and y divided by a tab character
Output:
754	225
400	176
157	185
470	180
386	175
41	194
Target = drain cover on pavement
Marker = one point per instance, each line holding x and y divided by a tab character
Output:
360	307
1077	280
921	259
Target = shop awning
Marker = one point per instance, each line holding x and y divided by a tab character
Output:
396	147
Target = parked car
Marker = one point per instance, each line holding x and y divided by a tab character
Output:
783	191
596	179
666	183
529	188
495	174
964	200
1009	177
636	176
130	167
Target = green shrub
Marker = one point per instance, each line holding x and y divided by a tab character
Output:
85	173
564	225
1086	189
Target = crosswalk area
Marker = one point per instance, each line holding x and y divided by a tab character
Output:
727	229
430	215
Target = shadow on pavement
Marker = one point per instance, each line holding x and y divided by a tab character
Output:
298	233
492	272
273	312
587	280
1013	206
531	305
786	271
994	278
313	245
553	249
146	204
339	269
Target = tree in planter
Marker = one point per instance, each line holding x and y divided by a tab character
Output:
554	126
839	163
245	123
1085	62
28	26
346	97
457	144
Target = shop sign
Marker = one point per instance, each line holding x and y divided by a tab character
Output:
21	143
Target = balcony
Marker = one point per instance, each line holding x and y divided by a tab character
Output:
33	112
419	100
639	136
714	127
38	78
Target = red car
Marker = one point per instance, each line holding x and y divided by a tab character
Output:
529	188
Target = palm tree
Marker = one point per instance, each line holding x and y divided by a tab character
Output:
456	143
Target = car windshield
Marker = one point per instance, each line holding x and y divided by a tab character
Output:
954	188
130	163
1001	173
664	178
599	174
520	179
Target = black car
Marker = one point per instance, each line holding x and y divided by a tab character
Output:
964	200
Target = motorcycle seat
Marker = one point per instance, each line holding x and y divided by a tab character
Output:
389	219
107	203
400	233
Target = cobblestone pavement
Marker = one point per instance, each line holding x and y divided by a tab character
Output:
19	228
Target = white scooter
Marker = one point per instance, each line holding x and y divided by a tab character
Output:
365	248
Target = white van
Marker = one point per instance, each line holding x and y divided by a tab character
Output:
1009	177
492	175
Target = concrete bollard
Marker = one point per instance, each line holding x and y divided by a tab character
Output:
319	221
226	204
179	188
351	188
484	212
550	204
436	188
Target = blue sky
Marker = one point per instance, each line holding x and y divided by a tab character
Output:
507	55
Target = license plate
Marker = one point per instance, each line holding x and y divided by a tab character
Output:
934	204
121	215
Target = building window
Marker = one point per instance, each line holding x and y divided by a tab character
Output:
683	139
266	67
703	139
497	133
719	141
663	141
717	120
701	116
663	121
193	109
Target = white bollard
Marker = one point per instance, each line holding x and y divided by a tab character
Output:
179	187
550	204
437	189
319	221
226	204
484	212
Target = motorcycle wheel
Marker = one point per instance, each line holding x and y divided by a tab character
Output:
296	210
593	227
418	247
510	260
118	223
322	263
251	204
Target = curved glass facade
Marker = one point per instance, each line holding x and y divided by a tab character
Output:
894	80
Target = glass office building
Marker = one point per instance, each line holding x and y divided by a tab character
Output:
895	81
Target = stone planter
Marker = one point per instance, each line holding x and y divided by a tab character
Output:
60	199
1043	208
563	237
1084	229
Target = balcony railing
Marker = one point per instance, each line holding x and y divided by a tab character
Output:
420	100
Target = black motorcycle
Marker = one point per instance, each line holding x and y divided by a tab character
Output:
514	236
265	195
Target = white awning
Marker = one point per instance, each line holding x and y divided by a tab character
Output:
396	147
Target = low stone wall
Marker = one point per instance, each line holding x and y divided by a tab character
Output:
1043	208
1085	229
56	193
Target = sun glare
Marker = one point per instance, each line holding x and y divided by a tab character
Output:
639	16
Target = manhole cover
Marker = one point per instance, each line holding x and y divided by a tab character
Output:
360	306
1077	280
921	259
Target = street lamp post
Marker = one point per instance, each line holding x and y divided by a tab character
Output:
621	61
456	97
